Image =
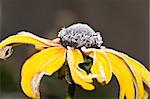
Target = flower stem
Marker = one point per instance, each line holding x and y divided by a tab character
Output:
70	91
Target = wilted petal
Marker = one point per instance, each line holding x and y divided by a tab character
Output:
27	38
137	81
101	64
138	84
45	62
79	76
137	77
145	74
123	75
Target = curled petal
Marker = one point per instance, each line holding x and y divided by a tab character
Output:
136	72
27	38
101	64
137	81
138	84
145	74
123	75
79	76
45	62
120	78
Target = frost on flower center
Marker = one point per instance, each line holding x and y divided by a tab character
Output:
80	35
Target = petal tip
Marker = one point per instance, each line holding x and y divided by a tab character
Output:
5	52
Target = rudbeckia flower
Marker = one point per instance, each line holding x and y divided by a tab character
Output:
73	46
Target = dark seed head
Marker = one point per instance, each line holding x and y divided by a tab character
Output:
80	35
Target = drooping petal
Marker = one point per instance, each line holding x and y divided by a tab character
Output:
121	71
79	76
120	78
138	84
101	64
45	62
135	73
145	74
137	81
27	38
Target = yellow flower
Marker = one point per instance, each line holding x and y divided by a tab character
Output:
72	44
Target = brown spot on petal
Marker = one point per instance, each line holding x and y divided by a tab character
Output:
5	52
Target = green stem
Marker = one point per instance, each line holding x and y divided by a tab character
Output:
70	91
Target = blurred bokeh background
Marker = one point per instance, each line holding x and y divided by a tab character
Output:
124	25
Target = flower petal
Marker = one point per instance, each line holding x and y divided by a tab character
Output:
79	76
45	62
101	64
54	42
137	80
145	74
27	38
121	71
138	84
134	71
120	77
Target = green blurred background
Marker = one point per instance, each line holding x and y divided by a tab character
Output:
124	25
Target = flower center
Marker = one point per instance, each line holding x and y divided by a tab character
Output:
80	35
